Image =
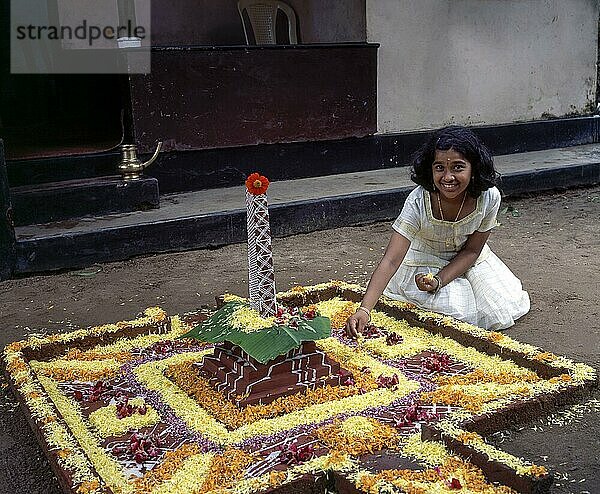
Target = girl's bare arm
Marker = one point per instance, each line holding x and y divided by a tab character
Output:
465	258
394	254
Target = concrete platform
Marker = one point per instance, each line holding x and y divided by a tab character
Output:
215	217
68	199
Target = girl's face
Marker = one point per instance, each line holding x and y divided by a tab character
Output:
451	173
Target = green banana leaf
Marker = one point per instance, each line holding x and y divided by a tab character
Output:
264	344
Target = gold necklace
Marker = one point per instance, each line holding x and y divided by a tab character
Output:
459	209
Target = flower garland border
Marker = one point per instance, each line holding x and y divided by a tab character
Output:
489	342
67	458
561	374
152	376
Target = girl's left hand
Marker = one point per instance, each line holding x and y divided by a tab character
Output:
426	283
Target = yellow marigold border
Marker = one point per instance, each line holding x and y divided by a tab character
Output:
108	469
358	435
429	453
472	439
152	376
187	478
71	456
579	371
87	370
42	407
470	476
106	423
152	316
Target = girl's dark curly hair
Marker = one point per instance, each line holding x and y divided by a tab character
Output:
465	142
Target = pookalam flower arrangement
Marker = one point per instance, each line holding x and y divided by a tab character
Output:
135	407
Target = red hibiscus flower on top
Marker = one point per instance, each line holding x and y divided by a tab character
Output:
257	184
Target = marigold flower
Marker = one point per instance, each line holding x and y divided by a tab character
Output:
468	437
537	471
561	378
257	184
88	486
545	357
63	453
16	366
172	462
16	346
276	478
495	336
357	436
226	469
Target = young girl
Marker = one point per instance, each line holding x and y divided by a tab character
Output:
438	257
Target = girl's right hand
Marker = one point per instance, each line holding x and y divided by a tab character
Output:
426	283
356	323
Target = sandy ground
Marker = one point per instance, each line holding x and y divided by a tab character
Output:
551	241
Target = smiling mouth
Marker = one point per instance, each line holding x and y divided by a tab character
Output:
449	186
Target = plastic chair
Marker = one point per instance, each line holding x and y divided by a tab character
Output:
262	15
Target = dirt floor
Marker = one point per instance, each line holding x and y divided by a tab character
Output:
551	241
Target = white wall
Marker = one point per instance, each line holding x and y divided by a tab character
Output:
330	21
482	61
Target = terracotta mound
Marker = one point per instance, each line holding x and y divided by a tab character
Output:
246	381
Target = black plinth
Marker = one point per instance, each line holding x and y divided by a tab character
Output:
7	230
57	201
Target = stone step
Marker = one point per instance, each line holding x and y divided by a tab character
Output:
215	217
57	201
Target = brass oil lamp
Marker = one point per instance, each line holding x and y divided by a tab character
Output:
131	167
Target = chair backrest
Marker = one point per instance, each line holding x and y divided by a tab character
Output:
262	15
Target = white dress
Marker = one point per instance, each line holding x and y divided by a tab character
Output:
488	295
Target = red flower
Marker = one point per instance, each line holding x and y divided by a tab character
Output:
436	362
372	331
292	453
393	339
257	184
388	381
454	484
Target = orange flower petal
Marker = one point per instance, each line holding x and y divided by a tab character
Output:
257	184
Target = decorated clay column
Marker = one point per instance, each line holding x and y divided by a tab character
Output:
261	275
